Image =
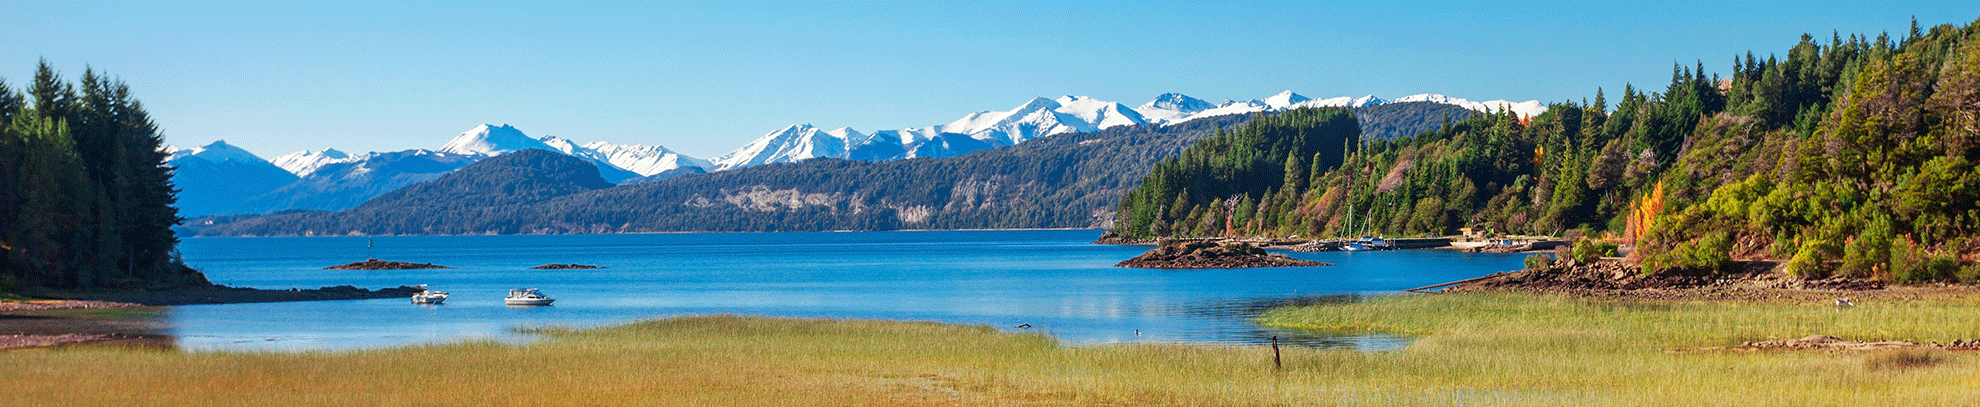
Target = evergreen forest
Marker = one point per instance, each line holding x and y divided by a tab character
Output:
85	196
1852	156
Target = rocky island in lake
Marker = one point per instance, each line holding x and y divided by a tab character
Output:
376	264
1210	255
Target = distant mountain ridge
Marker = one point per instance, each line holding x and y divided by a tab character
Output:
1041	117
523	177
217	177
329	179
1067	180
1058	181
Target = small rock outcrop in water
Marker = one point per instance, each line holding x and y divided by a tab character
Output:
376	264
565	267
1207	255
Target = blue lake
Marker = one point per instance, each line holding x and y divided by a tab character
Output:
1051	279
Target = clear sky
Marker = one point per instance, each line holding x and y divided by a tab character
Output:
706	77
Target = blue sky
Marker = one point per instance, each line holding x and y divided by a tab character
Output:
706	77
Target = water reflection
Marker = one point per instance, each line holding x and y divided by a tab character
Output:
138	328
1245	309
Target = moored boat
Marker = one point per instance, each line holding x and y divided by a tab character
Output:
527	296
428	296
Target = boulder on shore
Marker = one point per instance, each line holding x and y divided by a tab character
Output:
1209	255
376	264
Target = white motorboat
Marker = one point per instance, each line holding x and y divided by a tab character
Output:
428	296
527	296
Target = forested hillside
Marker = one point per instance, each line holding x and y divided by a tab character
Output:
1848	155
85	197
1404	119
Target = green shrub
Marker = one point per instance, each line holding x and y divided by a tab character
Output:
1587	250
1970	274
1812	261
1539	261
1869	254
1713	253
1913	264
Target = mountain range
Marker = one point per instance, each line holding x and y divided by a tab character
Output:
1065	180
1041	117
329	179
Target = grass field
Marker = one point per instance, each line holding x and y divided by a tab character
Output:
1476	349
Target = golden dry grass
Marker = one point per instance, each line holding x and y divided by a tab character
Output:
1477	350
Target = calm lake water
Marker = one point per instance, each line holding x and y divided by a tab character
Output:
1053	280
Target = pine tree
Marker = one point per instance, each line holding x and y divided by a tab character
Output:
84	192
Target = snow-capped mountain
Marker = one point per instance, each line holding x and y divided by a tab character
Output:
616	163
302	163
491	140
222	179
331	179
1036	118
1284	100
217	152
216	178
1039	117
643	159
1169	107
343	185
1343	101
793	143
1042	117
605	168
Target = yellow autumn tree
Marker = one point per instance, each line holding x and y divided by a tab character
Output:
1643	213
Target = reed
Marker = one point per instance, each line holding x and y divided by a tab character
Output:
1475	350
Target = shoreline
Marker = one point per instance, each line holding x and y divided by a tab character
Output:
60	323
218	294
665	232
130	318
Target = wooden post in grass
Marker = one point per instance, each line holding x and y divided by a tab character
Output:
1275	353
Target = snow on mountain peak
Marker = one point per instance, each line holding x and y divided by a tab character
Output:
1342	101
303	163
219	151
640	159
559	143
1177	102
1285	100
793	143
491	140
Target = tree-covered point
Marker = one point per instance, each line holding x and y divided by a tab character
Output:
1271	157
1853	156
85	196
